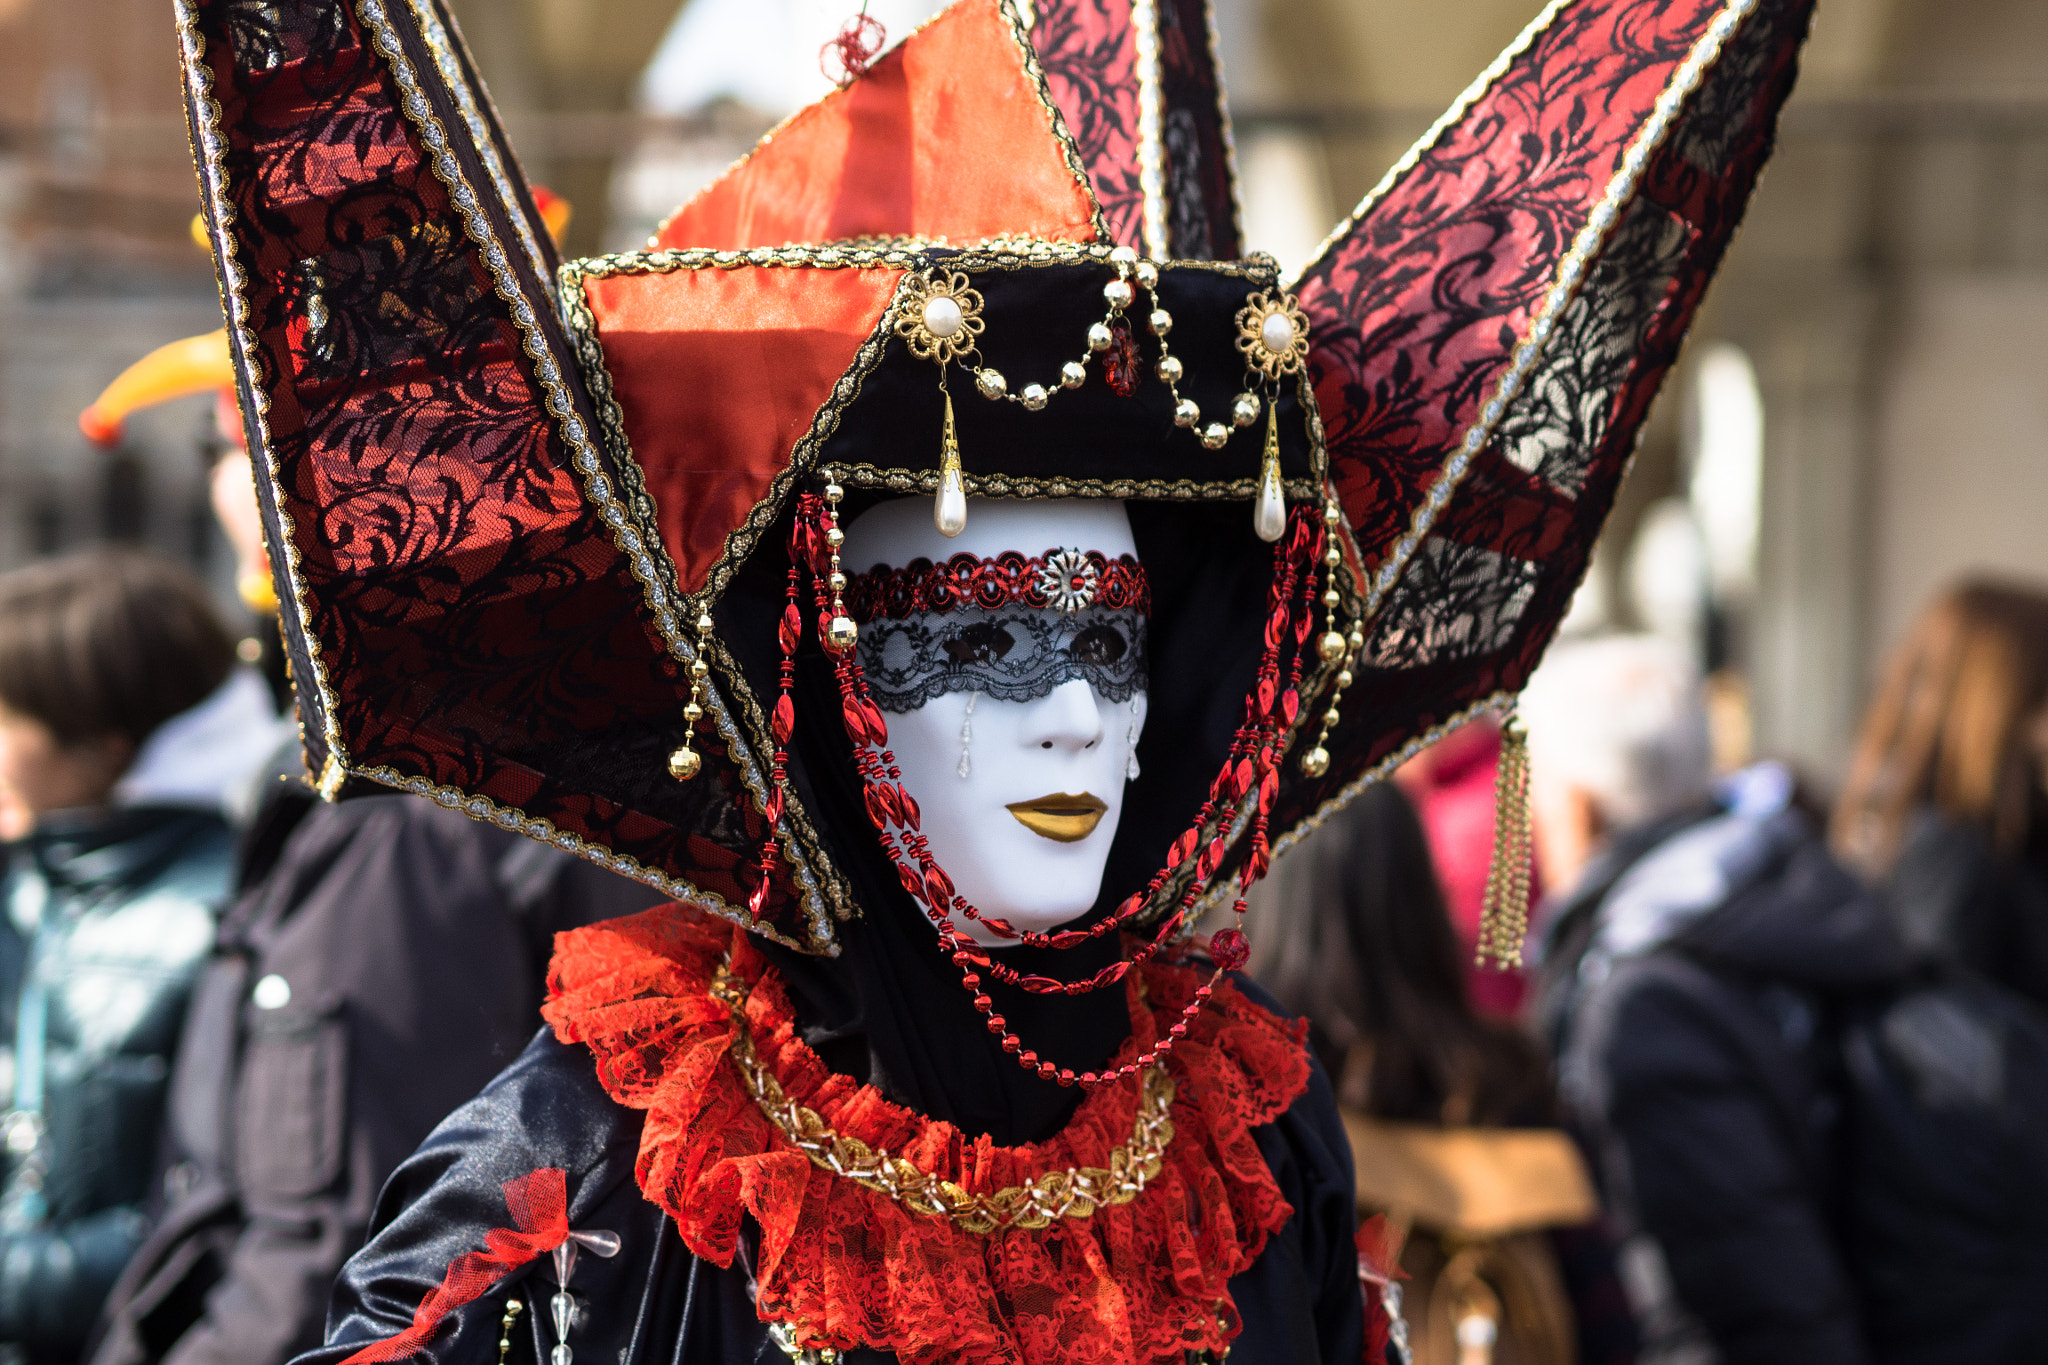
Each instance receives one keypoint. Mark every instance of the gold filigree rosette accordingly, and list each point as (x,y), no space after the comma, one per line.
(938,315)
(1272,333)
(1076,1192)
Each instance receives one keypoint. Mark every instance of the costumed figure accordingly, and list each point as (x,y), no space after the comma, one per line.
(948,565)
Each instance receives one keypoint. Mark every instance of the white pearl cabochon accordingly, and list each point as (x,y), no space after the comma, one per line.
(1072,741)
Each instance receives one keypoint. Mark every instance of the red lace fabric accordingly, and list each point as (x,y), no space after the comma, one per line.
(847,1266)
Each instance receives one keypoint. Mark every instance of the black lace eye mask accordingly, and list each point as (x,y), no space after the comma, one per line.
(1012,627)
(1009,653)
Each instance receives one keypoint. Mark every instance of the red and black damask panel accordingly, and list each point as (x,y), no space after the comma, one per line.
(1476,591)
(1089,51)
(463,621)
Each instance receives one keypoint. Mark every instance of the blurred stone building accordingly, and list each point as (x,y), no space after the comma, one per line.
(1858,421)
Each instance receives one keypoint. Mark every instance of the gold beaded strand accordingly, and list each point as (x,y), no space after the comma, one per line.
(840,631)
(1335,645)
(512,1310)
(685,761)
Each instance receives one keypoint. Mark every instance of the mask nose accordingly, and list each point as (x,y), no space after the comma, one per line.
(1068,719)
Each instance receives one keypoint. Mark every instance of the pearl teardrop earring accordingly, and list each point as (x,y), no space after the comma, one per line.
(966,768)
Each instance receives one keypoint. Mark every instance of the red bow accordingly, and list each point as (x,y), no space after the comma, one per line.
(539,1204)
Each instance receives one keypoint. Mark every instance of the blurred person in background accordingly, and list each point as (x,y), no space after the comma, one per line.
(1946,802)
(120,715)
(1452,785)
(384,957)
(1692,935)
(1821,1112)
(1450,1113)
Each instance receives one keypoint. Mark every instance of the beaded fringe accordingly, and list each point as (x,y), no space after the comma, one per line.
(1504,914)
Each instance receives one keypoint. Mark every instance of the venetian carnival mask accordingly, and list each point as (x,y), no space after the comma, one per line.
(1010,662)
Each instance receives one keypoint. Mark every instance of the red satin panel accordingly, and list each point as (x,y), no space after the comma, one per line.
(946,136)
(720,373)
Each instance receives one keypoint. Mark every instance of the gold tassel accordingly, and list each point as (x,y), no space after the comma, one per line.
(1504,914)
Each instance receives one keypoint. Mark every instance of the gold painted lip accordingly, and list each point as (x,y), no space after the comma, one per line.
(1060,817)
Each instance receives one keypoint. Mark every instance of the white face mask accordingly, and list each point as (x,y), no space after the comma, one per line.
(1020,799)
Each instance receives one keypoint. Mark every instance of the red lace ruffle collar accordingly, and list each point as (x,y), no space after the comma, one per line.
(847,1266)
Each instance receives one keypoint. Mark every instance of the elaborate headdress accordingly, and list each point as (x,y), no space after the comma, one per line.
(548,540)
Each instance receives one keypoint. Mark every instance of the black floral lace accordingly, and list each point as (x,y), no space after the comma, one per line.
(1009,653)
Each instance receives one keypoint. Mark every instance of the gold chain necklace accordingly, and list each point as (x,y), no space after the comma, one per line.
(1076,1192)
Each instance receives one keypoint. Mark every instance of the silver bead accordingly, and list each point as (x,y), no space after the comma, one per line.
(1161,322)
(1185,413)
(1073,375)
(1123,255)
(1214,435)
(1098,336)
(1147,273)
(991,383)
(1033,397)
(1169,368)
(1118,293)
(1245,410)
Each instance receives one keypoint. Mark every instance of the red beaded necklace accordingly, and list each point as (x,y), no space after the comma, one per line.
(1249,767)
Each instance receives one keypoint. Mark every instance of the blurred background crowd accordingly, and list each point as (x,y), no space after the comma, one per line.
(1773,1085)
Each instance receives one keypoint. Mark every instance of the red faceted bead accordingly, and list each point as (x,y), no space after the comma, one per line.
(1229,950)
(1120,361)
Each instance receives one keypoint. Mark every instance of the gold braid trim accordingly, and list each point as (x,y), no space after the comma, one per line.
(1076,1192)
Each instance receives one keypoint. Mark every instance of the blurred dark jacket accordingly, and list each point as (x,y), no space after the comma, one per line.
(385,959)
(1683,985)
(108,915)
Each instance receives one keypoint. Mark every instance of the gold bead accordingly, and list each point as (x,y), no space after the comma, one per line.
(840,634)
(837,582)
(1332,598)
(1118,293)
(1245,409)
(1330,646)
(1161,322)
(1330,718)
(833,492)
(1330,514)
(1316,761)
(1343,678)
(684,763)
(1073,374)
(1033,397)
(1148,274)
(704,623)
(1214,436)
(834,537)
(1356,639)
(1098,336)
(1124,255)
(1185,413)
(1333,557)
(991,383)
(1169,368)
(692,714)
